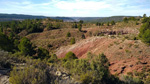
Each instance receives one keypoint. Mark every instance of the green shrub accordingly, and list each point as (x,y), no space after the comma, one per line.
(86,78)
(67,64)
(98,24)
(53,58)
(107,23)
(131,80)
(83,36)
(80,27)
(113,22)
(73,41)
(81,21)
(57,26)
(42,53)
(25,47)
(75,25)
(70,56)
(5,61)
(145,32)
(68,34)
(29,75)
(94,71)
(90,56)
(145,19)
(125,20)
(5,43)
(49,26)
(137,23)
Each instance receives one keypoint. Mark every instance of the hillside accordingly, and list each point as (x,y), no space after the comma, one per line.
(74,52)
(11,17)
(117,44)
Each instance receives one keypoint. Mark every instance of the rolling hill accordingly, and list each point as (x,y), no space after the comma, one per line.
(10,17)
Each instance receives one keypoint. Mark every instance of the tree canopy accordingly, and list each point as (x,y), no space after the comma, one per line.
(25,47)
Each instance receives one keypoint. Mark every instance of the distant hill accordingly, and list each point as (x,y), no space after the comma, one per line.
(10,17)
(106,19)
(86,18)
(101,19)
(66,19)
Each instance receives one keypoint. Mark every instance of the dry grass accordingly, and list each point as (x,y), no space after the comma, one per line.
(121,50)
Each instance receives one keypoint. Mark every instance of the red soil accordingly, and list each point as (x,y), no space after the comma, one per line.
(121,61)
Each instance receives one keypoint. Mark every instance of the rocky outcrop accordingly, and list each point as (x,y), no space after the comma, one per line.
(112,32)
(61,77)
(4,78)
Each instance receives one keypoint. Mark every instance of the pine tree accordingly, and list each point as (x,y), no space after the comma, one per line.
(25,47)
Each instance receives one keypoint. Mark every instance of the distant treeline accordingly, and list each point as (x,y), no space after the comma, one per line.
(108,19)
(14,17)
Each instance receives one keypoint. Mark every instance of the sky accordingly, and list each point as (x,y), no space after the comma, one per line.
(76,8)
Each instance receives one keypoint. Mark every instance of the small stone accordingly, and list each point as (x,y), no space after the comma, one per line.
(58,73)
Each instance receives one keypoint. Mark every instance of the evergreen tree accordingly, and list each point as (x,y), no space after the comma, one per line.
(80,27)
(42,53)
(125,20)
(5,42)
(25,47)
(145,32)
(113,22)
(81,21)
(144,15)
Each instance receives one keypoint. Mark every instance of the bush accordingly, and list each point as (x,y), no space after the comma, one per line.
(131,80)
(73,41)
(107,23)
(81,21)
(86,78)
(53,58)
(57,26)
(32,74)
(94,71)
(49,26)
(112,22)
(125,20)
(5,61)
(137,23)
(67,64)
(80,27)
(98,24)
(68,34)
(83,36)
(42,53)
(25,47)
(146,36)
(145,32)
(5,43)
(75,25)
(145,19)
(70,56)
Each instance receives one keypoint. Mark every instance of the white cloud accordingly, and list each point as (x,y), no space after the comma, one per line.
(26,2)
(81,5)
(76,7)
